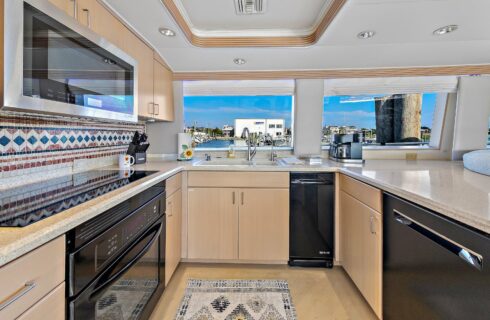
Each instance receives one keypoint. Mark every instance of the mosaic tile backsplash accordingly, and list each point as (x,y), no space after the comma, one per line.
(34,143)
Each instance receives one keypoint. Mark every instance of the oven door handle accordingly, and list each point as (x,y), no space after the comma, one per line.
(100,288)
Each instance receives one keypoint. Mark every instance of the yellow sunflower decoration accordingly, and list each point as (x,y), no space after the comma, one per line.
(188,154)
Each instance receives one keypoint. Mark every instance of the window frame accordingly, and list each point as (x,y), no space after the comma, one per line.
(433,144)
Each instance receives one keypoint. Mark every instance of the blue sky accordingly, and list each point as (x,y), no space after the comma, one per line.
(338,111)
(216,111)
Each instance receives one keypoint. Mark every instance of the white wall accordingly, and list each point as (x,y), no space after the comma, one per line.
(473,111)
(163,135)
(308,112)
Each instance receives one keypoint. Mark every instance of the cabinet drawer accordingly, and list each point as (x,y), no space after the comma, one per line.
(50,307)
(368,195)
(26,280)
(173,184)
(238,179)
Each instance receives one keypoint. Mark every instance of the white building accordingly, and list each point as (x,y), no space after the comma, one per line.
(227,130)
(273,127)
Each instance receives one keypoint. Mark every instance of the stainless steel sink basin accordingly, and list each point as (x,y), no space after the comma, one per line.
(235,162)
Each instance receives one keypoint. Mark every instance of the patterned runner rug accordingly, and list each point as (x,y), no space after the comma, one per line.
(236,300)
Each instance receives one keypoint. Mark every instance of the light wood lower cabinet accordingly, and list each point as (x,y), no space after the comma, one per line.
(361,247)
(264,224)
(173,248)
(238,224)
(25,281)
(212,223)
(51,307)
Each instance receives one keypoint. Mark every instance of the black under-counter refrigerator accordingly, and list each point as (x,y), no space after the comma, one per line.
(433,267)
(311,238)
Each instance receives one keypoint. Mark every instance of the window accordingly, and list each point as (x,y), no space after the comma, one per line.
(383,119)
(218,121)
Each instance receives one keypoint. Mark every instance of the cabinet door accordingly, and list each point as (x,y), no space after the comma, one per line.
(361,247)
(163,93)
(51,307)
(67,6)
(104,23)
(144,56)
(264,224)
(212,223)
(173,248)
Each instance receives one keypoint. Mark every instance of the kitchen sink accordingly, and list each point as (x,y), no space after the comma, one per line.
(236,162)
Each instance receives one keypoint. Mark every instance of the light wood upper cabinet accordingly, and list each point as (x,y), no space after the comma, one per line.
(264,224)
(361,240)
(144,55)
(68,6)
(162,92)
(212,223)
(93,15)
(173,250)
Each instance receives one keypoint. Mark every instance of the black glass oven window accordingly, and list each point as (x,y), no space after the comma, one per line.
(127,297)
(61,65)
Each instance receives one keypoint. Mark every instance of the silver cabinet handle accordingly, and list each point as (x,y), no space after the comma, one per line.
(150,109)
(243,198)
(28,286)
(158,109)
(75,9)
(371,225)
(170,205)
(233,197)
(472,258)
(89,20)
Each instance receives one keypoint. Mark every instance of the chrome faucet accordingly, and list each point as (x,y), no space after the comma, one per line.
(273,154)
(246,135)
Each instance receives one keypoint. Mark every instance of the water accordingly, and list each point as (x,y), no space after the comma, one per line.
(215,144)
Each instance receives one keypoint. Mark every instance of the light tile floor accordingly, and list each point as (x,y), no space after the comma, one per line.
(318,294)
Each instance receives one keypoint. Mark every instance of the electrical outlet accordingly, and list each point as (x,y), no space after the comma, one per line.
(411,156)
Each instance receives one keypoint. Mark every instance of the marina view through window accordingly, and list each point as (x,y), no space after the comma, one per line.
(218,121)
(382,119)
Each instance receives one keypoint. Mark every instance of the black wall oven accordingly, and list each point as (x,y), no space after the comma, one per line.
(116,262)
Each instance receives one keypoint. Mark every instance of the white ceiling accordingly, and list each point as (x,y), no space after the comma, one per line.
(218,18)
(403,37)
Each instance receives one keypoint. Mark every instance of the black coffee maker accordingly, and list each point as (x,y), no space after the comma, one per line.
(346,147)
(138,146)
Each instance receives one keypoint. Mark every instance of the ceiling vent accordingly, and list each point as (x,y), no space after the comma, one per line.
(249,6)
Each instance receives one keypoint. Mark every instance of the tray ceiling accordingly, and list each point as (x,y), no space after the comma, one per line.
(403,38)
(215,23)
(212,18)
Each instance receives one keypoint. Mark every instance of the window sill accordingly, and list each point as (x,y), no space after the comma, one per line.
(243,149)
(381,148)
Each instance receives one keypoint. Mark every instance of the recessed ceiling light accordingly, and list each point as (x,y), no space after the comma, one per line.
(239,61)
(167,32)
(366,34)
(445,30)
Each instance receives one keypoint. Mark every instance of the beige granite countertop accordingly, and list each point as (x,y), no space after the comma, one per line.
(443,186)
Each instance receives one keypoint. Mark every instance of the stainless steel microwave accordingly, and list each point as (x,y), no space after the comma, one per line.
(54,65)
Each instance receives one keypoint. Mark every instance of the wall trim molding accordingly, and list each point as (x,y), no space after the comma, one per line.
(280,41)
(336,73)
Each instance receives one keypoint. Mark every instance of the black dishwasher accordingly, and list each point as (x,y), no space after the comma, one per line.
(433,267)
(311,219)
